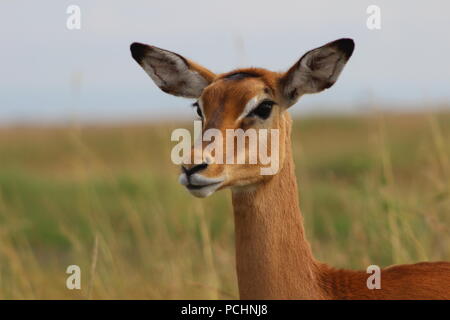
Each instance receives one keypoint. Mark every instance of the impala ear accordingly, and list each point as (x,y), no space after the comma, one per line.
(317,70)
(171,72)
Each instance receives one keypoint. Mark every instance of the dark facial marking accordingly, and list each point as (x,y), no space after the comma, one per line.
(241,75)
(197,109)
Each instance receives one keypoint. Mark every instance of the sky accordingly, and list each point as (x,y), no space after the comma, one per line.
(49,73)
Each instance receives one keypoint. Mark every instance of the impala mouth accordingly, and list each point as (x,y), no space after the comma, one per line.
(196,187)
(200,186)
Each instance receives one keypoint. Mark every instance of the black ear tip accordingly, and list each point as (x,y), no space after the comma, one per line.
(346,45)
(138,51)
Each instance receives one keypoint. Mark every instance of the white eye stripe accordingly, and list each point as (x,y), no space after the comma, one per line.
(250,106)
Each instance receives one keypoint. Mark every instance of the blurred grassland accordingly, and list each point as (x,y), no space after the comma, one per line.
(374,190)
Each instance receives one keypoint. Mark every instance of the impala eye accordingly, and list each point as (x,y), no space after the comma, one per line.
(197,108)
(263,110)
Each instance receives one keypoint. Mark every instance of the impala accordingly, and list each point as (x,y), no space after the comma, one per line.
(273,257)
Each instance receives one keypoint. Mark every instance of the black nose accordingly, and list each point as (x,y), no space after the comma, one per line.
(194,169)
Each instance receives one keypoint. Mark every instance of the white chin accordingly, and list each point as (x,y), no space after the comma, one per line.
(200,186)
(204,192)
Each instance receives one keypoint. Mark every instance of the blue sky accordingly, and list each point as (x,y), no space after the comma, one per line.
(50,73)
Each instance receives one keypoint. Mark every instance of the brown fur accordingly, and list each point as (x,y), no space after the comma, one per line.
(274,259)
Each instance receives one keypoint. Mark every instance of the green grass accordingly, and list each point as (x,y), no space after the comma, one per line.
(373,190)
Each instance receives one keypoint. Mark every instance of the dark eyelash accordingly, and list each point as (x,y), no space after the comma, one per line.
(263,110)
(199,111)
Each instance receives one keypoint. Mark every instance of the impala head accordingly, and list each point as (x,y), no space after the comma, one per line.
(241,99)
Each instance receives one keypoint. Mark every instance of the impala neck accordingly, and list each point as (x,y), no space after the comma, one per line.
(273,257)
